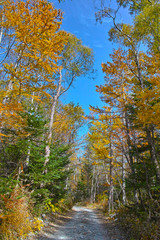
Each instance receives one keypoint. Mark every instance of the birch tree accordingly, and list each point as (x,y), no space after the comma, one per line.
(77,60)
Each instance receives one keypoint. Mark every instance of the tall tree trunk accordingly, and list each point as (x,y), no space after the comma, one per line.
(97,180)
(29,144)
(1,32)
(142,160)
(127,133)
(49,138)
(151,143)
(130,157)
(110,202)
(123,182)
(93,186)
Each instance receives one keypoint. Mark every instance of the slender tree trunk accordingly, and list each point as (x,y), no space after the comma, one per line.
(123,182)
(117,196)
(130,156)
(10,85)
(151,143)
(28,154)
(88,185)
(11,82)
(29,146)
(49,138)
(122,185)
(93,186)
(110,203)
(140,157)
(1,33)
(97,181)
(95,189)
(139,75)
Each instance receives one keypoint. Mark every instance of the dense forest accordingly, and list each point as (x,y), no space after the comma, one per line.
(41,170)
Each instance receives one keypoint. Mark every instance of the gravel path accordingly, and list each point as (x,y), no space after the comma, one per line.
(85,224)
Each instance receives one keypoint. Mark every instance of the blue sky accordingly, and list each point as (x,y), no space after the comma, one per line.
(79,19)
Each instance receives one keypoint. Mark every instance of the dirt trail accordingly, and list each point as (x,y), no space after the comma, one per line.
(84,224)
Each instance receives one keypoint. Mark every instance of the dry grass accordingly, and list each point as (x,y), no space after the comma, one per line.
(16,219)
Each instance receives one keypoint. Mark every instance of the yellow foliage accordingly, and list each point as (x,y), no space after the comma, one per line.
(52,208)
(16,216)
(59,207)
(37,224)
(96,163)
(38,43)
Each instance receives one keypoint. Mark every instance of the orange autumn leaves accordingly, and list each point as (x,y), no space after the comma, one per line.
(124,97)
(123,87)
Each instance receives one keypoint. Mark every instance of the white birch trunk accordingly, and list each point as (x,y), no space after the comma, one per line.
(29,147)
(1,33)
(92,186)
(49,138)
